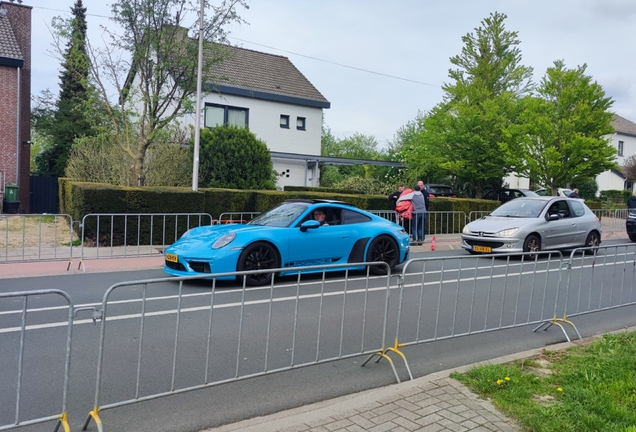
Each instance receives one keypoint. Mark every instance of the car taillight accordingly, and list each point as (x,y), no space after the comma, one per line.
(430,195)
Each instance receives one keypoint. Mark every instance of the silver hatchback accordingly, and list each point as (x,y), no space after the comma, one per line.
(532,224)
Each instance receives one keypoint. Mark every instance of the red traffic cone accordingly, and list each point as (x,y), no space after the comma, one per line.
(433,244)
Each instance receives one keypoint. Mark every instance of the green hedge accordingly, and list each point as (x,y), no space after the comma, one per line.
(79,199)
(616,196)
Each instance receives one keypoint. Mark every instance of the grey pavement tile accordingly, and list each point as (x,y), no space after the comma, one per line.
(506,426)
(383,418)
(384,427)
(427,410)
(368,406)
(444,404)
(452,416)
(340,424)
(470,425)
(479,419)
(429,419)
(356,428)
(408,405)
(434,427)
(436,391)
(426,401)
(319,429)
(452,426)
(407,424)
(411,391)
(407,414)
(390,407)
(361,421)
(458,409)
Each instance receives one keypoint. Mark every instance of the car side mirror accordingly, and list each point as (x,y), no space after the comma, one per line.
(310,224)
(552,217)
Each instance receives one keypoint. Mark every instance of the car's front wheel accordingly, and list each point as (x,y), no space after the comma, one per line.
(258,256)
(385,249)
(532,244)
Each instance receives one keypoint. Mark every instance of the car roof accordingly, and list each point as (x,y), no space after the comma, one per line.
(317,201)
(438,184)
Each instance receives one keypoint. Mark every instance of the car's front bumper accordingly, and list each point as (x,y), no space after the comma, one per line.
(496,244)
(223,261)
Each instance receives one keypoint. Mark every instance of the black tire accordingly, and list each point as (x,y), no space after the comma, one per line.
(532,244)
(385,249)
(593,240)
(632,237)
(258,256)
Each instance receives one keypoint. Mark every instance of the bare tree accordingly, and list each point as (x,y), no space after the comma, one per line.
(629,168)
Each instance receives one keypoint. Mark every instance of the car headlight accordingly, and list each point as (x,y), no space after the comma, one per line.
(224,240)
(466,230)
(507,233)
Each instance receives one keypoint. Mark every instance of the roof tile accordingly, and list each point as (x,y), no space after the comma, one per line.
(624,126)
(258,71)
(9,47)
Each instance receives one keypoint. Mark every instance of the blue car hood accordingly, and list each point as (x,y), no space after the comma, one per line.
(201,238)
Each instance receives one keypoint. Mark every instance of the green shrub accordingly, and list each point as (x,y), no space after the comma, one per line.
(232,157)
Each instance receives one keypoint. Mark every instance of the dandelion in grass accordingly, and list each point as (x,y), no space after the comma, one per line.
(507,378)
(559,389)
(500,382)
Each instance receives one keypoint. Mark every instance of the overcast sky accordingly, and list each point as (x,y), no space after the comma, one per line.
(379,62)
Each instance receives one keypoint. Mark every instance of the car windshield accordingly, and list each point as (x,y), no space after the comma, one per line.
(520,208)
(442,190)
(282,216)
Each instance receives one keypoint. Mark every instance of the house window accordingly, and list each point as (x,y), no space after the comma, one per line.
(216,115)
(300,123)
(620,148)
(284,121)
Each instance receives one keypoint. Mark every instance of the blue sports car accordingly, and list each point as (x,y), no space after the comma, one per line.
(298,232)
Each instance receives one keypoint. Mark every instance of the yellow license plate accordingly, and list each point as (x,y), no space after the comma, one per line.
(482,248)
(172,258)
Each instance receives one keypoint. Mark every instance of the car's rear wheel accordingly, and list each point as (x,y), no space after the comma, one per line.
(385,249)
(593,239)
(258,256)
(532,244)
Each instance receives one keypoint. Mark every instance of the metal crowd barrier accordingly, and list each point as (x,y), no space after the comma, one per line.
(134,235)
(36,237)
(235,217)
(246,350)
(12,392)
(587,289)
(442,298)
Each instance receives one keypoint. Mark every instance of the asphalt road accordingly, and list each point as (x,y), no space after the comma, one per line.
(458,296)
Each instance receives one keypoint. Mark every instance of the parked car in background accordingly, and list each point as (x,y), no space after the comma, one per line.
(532,224)
(560,191)
(439,190)
(287,237)
(504,195)
(631,224)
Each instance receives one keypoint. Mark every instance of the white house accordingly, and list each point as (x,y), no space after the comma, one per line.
(623,140)
(268,94)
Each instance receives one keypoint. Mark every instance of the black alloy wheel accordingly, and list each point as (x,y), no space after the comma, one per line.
(385,249)
(258,256)
(593,240)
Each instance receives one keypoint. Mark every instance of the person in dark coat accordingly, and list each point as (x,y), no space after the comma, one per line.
(395,195)
(631,202)
(574,193)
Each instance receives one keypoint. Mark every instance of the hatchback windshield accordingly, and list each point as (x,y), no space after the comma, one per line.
(281,216)
(521,208)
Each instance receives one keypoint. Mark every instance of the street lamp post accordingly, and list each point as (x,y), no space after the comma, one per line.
(197,109)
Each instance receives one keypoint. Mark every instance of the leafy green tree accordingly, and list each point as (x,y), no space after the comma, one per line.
(232,157)
(588,188)
(68,120)
(467,134)
(151,62)
(562,131)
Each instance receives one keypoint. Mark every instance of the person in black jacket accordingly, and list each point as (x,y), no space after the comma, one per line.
(631,202)
(395,195)
(424,192)
(574,193)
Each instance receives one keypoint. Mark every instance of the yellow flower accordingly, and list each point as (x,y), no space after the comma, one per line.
(507,378)
(499,382)
(559,389)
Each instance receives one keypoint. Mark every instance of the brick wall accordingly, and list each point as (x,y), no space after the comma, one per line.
(20,18)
